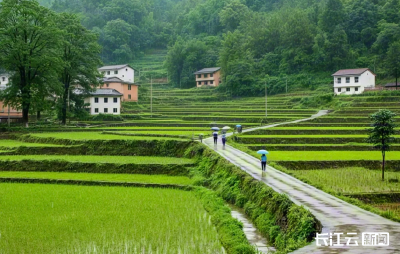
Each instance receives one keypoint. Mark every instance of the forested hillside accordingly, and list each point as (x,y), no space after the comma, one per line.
(252,40)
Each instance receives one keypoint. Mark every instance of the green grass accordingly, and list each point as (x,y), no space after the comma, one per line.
(101,159)
(307,136)
(15,143)
(88,219)
(135,178)
(329,155)
(168,132)
(350,180)
(92,136)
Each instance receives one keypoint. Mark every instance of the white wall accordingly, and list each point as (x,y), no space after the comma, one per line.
(126,74)
(4,82)
(352,90)
(367,79)
(101,105)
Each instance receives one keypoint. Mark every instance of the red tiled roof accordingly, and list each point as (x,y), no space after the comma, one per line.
(351,72)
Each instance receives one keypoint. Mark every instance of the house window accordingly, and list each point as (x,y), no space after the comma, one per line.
(356,79)
(356,89)
(339,80)
(211,82)
(205,83)
(348,89)
(199,75)
(96,110)
(115,72)
(105,110)
(4,79)
(108,72)
(115,110)
(205,75)
(96,100)
(129,96)
(105,100)
(108,85)
(348,80)
(199,83)
(211,75)
(339,90)
(126,69)
(129,87)
(115,100)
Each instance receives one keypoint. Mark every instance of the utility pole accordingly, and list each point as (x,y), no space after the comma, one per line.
(286,83)
(266,113)
(8,116)
(151,96)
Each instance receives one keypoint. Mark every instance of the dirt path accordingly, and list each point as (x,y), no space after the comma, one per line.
(335,215)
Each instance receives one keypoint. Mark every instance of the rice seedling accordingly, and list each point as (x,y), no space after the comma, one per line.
(15,143)
(135,178)
(80,219)
(350,180)
(92,136)
(330,155)
(101,159)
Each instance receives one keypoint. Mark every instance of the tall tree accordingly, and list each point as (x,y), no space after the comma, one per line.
(80,54)
(381,135)
(29,43)
(332,15)
(393,60)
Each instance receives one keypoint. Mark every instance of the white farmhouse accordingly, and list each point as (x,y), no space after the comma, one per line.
(353,81)
(123,72)
(4,79)
(104,101)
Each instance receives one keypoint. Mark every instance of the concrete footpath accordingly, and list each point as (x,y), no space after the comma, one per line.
(335,215)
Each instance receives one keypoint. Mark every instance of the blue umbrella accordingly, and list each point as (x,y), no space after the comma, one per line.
(215,128)
(238,125)
(262,152)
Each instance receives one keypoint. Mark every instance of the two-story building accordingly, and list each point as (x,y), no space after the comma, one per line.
(5,110)
(353,81)
(104,101)
(123,72)
(122,79)
(208,77)
(128,90)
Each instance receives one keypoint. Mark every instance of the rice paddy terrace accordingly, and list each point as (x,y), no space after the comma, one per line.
(125,186)
(331,152)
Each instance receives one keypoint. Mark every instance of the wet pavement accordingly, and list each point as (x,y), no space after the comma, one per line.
(336,215)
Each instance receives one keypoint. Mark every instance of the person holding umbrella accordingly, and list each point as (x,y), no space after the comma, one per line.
(215,134)
(263,159)
(224,130)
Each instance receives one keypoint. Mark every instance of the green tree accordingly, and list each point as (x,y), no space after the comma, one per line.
(29,43)
(393,60)
(80,53)
(233,14)
(333,15)
(381,133)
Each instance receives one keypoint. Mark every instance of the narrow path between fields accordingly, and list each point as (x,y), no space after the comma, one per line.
(335,215)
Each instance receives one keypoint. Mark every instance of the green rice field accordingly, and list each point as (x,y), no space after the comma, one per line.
(92,136)
(88,219)
(330,155)
(351,180)
(134,178)
(101,159)
(9,143)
